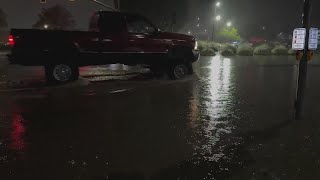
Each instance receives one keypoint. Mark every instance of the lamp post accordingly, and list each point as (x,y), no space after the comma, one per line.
(218,18)
(303,65)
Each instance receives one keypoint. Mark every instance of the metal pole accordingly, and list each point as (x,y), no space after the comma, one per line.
(303,65)
(214,16)
(116,4)
(102,4)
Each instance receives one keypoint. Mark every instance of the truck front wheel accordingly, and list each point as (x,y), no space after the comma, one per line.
(178,71)
(61,73)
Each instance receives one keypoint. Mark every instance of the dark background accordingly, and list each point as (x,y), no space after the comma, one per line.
(249,16)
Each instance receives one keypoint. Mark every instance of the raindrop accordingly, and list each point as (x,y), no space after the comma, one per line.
(84,163)
(72,162)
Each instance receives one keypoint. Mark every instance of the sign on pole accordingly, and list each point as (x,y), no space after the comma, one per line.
(298,40)
(313,38)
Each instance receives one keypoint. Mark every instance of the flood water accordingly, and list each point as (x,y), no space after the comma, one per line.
(233,119)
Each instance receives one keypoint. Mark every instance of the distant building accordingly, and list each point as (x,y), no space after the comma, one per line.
(18,17)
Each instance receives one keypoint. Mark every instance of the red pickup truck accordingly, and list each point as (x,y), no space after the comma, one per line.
(113,37)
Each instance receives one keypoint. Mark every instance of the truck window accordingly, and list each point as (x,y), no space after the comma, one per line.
(111,23)
(93,25)
(136,24)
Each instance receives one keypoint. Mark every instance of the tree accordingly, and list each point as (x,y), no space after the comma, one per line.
(229,34)
(3,19)
(55,17)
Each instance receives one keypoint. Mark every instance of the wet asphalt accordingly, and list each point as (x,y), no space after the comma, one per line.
(233,119)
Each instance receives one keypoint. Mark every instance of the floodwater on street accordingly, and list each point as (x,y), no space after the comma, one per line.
(233,119)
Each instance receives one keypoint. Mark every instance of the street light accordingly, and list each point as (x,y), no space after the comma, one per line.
(229,24)
(218,18)
(46,26)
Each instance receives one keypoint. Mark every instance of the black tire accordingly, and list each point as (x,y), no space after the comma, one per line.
(178,71)
(190,68)
(67,74)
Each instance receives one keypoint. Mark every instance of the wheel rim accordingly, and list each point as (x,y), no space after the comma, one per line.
(62,72)
(180,71)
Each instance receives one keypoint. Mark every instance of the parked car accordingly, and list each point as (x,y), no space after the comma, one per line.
(113,37)
(257,40)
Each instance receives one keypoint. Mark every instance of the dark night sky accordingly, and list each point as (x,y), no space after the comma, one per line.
(276,15)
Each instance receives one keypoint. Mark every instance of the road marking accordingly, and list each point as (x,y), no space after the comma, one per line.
(119,91)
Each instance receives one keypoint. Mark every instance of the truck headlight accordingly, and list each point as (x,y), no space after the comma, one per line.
(196,45)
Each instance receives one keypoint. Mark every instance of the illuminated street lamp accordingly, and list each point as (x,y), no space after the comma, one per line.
(218,18)
(229,24)
(46,26)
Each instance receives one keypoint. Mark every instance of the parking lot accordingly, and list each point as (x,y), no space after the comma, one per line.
(232,119)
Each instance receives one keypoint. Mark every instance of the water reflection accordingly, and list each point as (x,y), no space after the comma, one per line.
(17,135)
(214,97)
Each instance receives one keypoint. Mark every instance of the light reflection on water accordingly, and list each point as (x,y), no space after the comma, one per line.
(17,135)
(212,103)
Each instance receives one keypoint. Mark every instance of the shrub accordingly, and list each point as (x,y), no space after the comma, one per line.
(245,50)
(206,48)
(262,50)
(203,45)
(207,52)
(291,52)
(280,50)
(230,47)
(214,46)
(227,52)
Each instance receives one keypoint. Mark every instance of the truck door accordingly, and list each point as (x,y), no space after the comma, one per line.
(112,39)
(142,42)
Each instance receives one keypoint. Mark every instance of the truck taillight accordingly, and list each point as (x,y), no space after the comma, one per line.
(11,40)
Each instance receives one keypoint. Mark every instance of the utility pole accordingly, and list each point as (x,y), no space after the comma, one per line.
(212,2)
(173,21)
(104,5)
(216,4)
(303,65)
(117,4)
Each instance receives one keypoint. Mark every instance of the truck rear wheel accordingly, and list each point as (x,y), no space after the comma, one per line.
(61,73)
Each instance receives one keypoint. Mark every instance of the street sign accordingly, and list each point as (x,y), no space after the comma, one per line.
(313,39)
(298,40)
